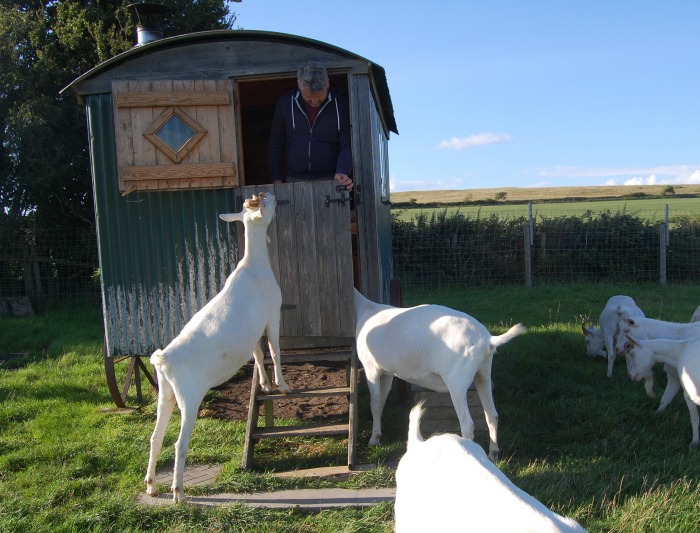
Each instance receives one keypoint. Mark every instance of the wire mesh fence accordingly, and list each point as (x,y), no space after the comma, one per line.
(440,247)
(431,249)
(49,264)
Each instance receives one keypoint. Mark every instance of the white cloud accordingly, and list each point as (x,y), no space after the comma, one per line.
(478,139)
(399,185)
(661,175)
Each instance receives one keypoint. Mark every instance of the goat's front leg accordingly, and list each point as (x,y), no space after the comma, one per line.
(485,392)
(610,347)
(259,357)
(273,340)
(379,385)
(166,404)
(188,416)
(673,385)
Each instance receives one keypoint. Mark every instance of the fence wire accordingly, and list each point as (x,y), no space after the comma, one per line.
(49,264)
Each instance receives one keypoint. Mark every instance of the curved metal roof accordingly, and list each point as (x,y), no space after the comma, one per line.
(376,71)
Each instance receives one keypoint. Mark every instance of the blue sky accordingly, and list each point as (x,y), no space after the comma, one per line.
(491,94)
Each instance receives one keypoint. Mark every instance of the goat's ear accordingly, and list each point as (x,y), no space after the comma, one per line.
(231,217)
(631,341)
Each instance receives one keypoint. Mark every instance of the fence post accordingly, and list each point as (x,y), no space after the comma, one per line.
(663,248)
(528,255)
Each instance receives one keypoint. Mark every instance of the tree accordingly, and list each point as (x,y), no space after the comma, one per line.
(44,45)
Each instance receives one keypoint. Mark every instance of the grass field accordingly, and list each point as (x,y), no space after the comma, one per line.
(648,201)
(539,194)
(587,446)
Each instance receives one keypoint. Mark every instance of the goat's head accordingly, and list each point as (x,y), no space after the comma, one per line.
(624,328)
(595,342)
(260,208)
(640,362)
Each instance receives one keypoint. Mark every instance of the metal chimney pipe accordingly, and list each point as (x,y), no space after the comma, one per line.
(147,29)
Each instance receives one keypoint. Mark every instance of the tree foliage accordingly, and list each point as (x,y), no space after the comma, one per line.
(44,45)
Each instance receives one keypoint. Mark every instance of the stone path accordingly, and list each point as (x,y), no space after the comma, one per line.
(309,499)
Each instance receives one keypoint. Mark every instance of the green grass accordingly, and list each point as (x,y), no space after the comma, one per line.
(587,446)
(648,208)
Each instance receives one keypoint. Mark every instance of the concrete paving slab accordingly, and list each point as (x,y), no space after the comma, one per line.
(308,499)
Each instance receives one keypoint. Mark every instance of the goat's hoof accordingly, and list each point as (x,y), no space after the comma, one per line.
(284,389)
(151,490)
(178,496)
(374,441)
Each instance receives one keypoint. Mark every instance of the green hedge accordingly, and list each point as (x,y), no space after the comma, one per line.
(457,248)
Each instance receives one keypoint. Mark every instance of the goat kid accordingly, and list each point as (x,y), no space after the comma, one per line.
(683,355)
(447,484)
(601,340)
(219,339)
(432,346)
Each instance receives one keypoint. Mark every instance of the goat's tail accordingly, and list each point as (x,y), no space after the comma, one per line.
(414,434)
(157,357)
(509,335)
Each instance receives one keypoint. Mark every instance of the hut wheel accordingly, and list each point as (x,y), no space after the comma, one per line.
(124,372)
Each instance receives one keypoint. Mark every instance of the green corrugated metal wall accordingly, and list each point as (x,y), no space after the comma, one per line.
(163,255)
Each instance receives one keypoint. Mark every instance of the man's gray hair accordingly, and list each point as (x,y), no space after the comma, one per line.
(313,75)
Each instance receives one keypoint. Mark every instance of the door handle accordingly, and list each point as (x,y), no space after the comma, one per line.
(341,190)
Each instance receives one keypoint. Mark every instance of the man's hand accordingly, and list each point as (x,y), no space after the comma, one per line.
(344,179)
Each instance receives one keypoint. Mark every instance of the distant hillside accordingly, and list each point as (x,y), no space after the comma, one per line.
(539,194)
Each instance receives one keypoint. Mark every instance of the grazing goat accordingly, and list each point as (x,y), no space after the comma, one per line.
(683,355)
(447,484)
(601,340)
(432,346)
(649,328)
(219,339)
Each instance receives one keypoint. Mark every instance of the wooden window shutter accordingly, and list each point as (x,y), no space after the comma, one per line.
(174,135)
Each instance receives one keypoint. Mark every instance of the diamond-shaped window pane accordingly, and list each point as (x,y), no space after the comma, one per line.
(175,133)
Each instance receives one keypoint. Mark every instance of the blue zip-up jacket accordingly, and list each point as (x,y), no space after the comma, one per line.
(310,152)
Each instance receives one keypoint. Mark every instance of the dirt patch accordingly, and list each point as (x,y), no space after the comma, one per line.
(232,398)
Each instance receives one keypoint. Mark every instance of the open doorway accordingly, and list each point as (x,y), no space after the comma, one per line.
(256,100)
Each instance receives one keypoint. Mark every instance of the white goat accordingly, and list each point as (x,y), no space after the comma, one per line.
(649,328)
(219,339)
(601,340)
(683,355)
(447,484)
(432,346)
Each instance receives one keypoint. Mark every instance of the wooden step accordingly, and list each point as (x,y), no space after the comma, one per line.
(319,357)
(305,393)
(311,430)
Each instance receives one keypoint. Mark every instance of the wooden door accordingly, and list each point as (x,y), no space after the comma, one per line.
(311,254)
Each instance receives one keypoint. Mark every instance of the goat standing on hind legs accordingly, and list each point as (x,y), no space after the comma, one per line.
(219,339)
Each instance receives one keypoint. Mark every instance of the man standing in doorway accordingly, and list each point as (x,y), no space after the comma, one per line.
(311,131)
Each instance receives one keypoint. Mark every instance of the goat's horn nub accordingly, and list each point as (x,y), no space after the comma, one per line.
(252,203)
